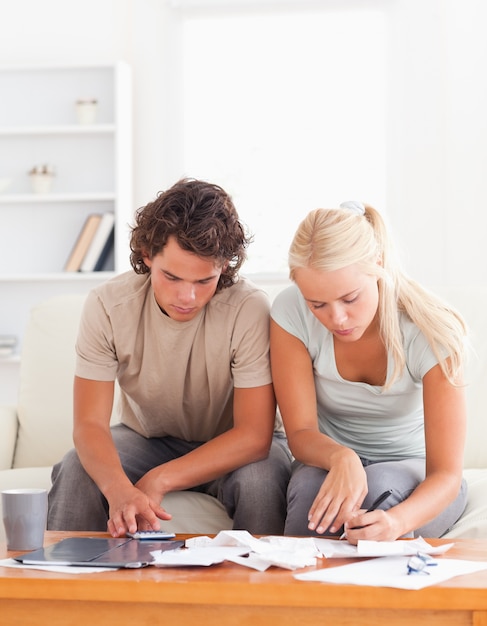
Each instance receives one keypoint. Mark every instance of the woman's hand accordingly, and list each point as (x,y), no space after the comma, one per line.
(341,494)
(375,525)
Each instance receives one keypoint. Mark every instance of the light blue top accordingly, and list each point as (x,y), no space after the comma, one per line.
(378,423)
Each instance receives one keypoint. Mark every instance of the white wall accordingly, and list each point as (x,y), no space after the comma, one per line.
(438,138)
(437,125)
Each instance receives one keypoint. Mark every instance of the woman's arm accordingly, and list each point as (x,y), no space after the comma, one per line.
(444,427)
(345,485)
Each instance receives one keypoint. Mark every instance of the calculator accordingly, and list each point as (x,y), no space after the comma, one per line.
(151,535)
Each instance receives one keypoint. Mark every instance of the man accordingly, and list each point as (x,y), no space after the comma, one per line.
(188,342)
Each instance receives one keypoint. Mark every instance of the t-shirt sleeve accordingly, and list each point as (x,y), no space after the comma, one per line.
(290,312)
(250,359)
(420,357)
(96,356)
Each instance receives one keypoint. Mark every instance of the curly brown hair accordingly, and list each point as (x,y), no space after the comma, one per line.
(202,218)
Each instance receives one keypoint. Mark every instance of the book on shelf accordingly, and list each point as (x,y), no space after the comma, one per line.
(8,344)
(80,248)
(101,244)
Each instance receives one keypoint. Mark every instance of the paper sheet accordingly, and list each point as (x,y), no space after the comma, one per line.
(391,571)
(330,548)
(398,548)
(60,569)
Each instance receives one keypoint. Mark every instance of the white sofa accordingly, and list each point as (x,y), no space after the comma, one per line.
(37,432)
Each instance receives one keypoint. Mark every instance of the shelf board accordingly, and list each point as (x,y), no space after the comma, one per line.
(10,359)
(42,198)
(55,277)
(57,129)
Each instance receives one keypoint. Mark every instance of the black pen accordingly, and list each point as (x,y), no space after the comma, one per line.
(375,504)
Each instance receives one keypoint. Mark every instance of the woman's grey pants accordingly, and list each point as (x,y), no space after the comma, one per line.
(401,476)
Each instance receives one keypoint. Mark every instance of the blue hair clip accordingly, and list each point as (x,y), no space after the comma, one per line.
(353,205)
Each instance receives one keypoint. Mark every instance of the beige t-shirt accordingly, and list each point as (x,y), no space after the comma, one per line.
(176,378)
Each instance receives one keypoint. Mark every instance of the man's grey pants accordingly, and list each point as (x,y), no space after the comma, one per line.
(254,495)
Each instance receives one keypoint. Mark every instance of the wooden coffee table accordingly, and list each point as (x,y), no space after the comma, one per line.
(231,594)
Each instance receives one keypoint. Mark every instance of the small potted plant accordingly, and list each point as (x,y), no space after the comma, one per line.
(41,177)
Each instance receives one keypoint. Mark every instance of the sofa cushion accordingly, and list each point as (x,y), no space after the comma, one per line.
(26,478)
(195,512)
(8,435)
(468,300)
(46,382)
(473,523)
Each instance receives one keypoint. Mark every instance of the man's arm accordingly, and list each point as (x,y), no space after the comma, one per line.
(247,441)
(93,401)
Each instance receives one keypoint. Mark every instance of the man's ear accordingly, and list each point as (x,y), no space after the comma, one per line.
(147,260)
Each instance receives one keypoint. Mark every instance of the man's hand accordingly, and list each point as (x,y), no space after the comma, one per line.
(132,510)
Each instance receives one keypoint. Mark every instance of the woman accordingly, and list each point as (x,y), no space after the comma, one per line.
(367,369)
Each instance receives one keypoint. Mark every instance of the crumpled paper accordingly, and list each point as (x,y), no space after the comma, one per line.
(245,549)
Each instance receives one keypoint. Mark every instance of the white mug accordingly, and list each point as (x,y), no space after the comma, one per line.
(24,518)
